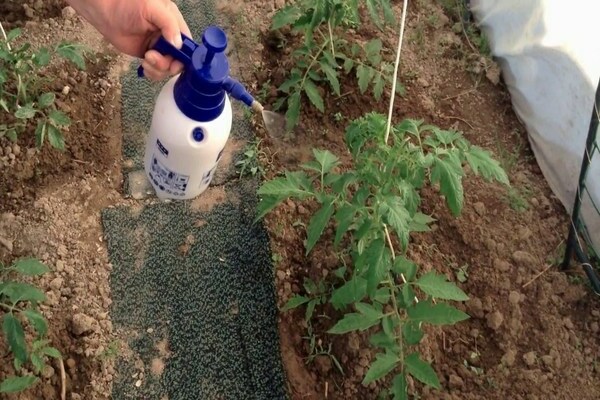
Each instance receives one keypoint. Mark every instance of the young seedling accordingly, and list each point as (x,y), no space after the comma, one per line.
(21,90)
(373,206)
(18,302)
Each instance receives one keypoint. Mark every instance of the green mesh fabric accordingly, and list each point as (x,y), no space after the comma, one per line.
(193,291)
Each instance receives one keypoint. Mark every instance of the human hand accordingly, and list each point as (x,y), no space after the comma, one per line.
(134,26)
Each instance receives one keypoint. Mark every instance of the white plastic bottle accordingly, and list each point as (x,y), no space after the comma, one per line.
(192,118)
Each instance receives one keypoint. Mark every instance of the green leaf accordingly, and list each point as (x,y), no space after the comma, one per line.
(397,216)
(379,86)
(293,112)
(38,363)
(372,7)
(373,49)
(420,222)
(372,255)
(437,286)
(326,159)
(42,58)
(317,224)
(313,95)
(344,217)
(55,137)
(364,75)
(404,266)
(286,16)
(379,266)
(436,314)
(412,333)
(310,308)
(25,112)
(399,387)
(15,336)
(51,352)
(46,99)
(388,13)
(482,163)
(293,185)
(368,311)
(40,133)
(72,53)
(13,34)
(407,296)
(421,370)
(383,364)
(4,105)
(15,384)
(59,118)
(351,292)
(294,302)
(30,267)
(353,322)
(382,295)
(12,134)
(331,76)
(37,320)
(17,291)
(384,341)
(448,173)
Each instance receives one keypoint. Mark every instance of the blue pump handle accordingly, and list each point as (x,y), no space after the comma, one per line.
(183,55)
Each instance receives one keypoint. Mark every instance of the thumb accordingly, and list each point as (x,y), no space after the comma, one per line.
(161,16)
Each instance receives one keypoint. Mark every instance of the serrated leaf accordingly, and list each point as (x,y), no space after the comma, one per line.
(313,95)
(481,162)
(378,86)
(30,267)
(331,76)
(294,302)
(436,314)
(344,218)
(421,370)
(420,222)
(326,159)
(383,364)
(55,137)
(437,286)
(400,388)
(385,341)
(448,173)
(351,292)
(15,336)
(317,224)
(46,99)
(372,255)
(379,266)
(51,352)
(364,75)
(382,295)
(40,134)
(13,34)
(15,384)
(368,310)
(25,112)
(293,185)
(372,8)
(59,118)
(404,266)
(11,134)
(72,53)
(412,333)
(397,216)
(310,308)
(17,291)
(286,16)
(388,13)
(293,112)
(38,363)
(37,320)
(42,57)
(407,296)
(352,322)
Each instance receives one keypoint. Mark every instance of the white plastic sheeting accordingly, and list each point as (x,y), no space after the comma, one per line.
(549,54)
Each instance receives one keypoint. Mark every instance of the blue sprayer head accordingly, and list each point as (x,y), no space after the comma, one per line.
(200,89)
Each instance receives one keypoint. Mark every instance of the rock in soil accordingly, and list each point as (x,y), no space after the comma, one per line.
(494,320)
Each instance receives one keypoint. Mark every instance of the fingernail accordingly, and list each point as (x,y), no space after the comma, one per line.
(151,59)
(177,41)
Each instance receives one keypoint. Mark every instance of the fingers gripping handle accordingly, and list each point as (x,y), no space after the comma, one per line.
(183,55)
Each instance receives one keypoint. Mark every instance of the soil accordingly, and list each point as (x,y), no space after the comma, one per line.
(533,331)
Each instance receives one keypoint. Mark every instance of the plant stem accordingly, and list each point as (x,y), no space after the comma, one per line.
(330,37)
(312,62)
(5,37)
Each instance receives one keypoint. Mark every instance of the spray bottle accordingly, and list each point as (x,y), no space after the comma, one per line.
(192,117)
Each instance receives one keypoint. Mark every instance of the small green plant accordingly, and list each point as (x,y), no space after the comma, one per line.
(517,199)
(21,90)
(324,54)
(18,303)
(375,207)
(250,163)
(317,349)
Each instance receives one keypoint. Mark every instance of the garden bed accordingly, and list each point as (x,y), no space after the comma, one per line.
(533,331)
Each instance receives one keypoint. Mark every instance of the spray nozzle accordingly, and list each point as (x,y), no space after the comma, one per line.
(200,89)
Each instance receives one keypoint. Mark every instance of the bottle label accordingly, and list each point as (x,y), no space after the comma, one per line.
(166,180)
